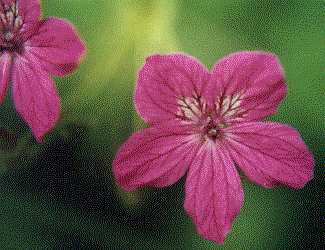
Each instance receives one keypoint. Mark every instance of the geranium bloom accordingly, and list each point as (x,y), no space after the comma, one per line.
(29,49)
(206,123)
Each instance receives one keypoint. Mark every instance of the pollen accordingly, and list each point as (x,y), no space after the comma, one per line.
(9,36)
(213,133)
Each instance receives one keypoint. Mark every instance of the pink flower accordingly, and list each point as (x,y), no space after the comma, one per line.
(206,123)
(30,47)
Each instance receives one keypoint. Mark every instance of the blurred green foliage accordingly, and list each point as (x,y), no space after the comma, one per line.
(97,98)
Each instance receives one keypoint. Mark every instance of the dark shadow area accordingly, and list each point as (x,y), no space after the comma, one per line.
(70,202)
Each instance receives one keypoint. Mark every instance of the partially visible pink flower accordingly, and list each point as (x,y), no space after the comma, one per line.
(29,49)
(208,122)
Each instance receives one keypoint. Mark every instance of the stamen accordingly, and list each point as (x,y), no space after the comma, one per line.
(3,18)
(12,25)
(213,133)
(10,18)
(18,22)
(9,36)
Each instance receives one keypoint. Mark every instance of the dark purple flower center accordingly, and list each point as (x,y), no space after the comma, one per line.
(12,25)
(212,131)
(208,123)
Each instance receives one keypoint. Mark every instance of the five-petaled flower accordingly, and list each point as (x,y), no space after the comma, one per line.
(29,49)
(206,123)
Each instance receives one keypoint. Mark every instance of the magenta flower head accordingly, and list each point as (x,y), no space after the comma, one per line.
(206,123)
(29,49)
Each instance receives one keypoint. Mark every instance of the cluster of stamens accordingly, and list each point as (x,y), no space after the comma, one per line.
(12,25)
(207,121)
(213,130)
(194,111)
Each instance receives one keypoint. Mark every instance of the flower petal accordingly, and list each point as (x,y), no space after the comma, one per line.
(57,46)
(154,157)
(247,86)
(5,67)
(35,95)
(214,195)
(163,82)
(270,154)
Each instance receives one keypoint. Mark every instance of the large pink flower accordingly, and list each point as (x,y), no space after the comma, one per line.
(208,122)
(29,49)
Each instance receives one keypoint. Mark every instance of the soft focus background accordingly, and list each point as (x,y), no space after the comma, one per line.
(61,194)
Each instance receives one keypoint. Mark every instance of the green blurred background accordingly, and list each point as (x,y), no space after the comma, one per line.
(61,194)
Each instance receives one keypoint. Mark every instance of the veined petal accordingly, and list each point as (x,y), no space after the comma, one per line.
(167,82)
(270,154)
(214,195)
(154,157)
(5,67)
(35,95)
(57,46)
(247,86)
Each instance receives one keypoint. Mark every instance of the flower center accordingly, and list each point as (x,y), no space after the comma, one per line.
(214,129)
(213,132)
(194,111)
(12,25)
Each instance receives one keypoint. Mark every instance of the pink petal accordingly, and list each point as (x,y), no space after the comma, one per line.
(5,67)
(163,80)
(154,157)
(271,154)
(29,11)
(57,46)
(214,195)
(247,85)
(35,95)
